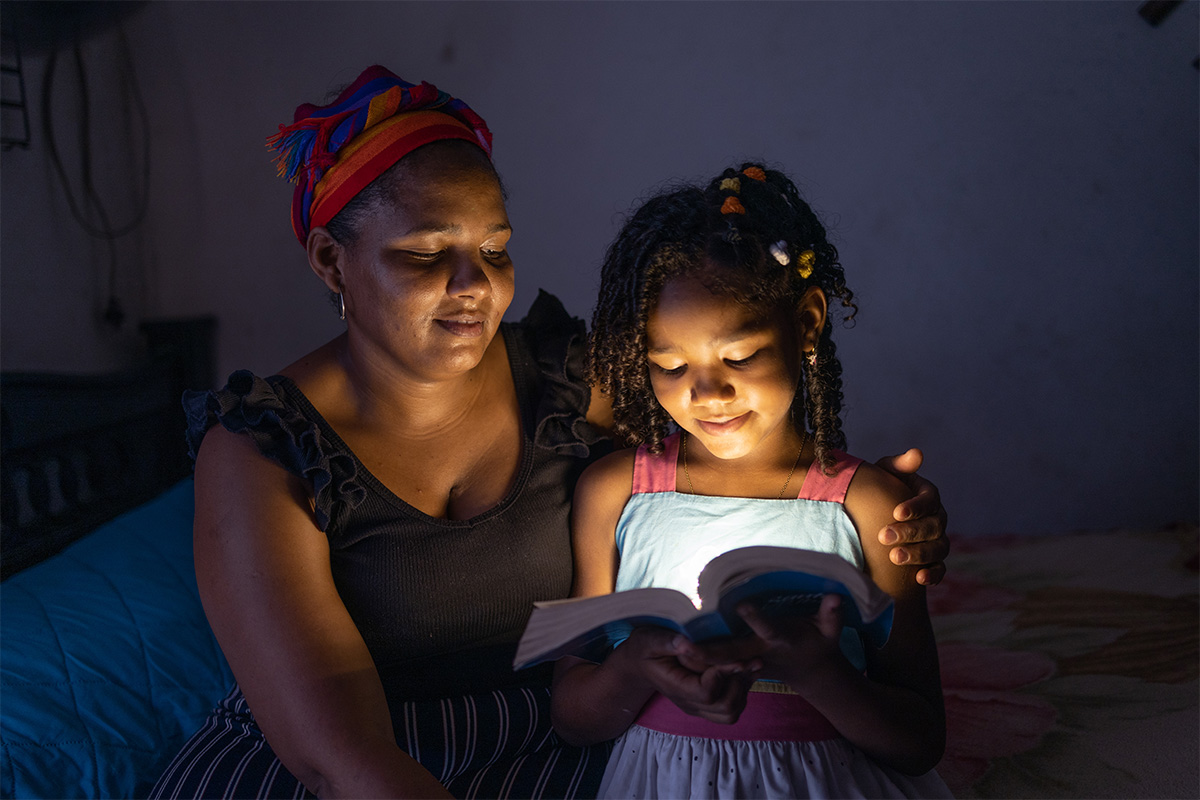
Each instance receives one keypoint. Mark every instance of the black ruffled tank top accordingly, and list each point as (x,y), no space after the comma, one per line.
(440,603)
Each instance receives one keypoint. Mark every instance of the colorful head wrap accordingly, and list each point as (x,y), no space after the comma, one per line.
(333,152)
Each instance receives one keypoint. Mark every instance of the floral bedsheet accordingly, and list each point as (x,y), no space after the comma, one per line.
(1069,665)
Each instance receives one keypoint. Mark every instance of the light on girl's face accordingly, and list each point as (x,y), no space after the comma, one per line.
(724,372)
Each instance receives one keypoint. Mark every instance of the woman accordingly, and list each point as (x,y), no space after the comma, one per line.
(374,522)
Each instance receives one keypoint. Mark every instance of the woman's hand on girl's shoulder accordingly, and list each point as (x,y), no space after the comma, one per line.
(873,495)
(916,532)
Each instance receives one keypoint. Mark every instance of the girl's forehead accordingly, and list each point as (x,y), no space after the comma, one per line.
(689,312)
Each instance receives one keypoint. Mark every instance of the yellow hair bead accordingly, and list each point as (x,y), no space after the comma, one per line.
(805,263)
(731,185)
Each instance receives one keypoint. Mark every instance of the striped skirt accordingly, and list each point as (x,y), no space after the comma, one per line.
(498,744)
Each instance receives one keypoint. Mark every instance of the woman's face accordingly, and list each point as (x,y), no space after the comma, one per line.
(725,374)
(428,277)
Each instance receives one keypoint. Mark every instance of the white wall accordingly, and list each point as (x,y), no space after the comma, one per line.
(1013,188)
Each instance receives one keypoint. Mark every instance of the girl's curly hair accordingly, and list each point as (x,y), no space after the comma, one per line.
(683,232)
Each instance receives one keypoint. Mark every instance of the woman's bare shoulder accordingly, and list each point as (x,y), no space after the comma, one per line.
(236,484)
(318,374)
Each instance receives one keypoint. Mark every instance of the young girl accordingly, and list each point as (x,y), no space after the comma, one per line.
(713,316)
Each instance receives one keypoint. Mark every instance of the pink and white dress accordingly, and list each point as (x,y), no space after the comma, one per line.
(781,747)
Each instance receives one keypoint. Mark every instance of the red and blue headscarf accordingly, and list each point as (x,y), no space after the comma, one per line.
(333,152)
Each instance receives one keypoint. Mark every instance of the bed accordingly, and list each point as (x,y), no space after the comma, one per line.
(1069,665)
(106,661)
(1069,662)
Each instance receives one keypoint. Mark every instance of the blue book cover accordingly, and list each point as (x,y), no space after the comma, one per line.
(780,580)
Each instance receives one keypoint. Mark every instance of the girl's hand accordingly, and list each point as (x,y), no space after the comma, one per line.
(716,692)
(787,649)
(918,534)
(797,647)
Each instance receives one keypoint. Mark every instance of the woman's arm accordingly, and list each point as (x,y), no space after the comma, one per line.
(595,702)
(265,581)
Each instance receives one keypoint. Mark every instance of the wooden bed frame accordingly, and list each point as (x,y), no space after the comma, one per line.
(77,450)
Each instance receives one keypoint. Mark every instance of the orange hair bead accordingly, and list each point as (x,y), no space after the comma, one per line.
(732,206)
(755,173)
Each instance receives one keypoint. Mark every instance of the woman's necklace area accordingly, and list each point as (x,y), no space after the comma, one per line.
(800,452)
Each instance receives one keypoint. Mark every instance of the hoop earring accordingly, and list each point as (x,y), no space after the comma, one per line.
(341,306)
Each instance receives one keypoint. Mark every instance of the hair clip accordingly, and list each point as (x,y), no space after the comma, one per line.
(732,206)
(755,172)
(805,263)
(779,250)
(731,185)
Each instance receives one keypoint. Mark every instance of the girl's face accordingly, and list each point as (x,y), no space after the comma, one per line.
(725,374)
(428,278)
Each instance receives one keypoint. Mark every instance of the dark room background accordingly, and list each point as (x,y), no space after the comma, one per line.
(1012,186)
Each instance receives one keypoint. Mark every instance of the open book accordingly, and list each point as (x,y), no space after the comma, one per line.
(781,580)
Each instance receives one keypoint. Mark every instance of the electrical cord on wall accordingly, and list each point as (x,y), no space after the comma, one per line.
(114,315)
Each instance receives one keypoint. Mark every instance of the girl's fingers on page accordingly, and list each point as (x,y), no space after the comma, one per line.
(827,620)
(693,692)
(743,652)
(688,658)
(713,681)
(727,694)
(829,616)
(654,641)
(759,624)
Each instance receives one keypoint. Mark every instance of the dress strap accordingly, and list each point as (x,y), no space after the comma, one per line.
(656,473)
(830,488)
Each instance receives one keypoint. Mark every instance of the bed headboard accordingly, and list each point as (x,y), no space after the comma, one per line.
(77,450)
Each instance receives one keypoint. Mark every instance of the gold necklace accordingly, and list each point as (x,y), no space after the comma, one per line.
(800,452)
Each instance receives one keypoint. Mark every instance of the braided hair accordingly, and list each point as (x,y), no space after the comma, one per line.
(747,235)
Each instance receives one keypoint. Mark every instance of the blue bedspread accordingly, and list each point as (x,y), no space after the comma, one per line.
(106,660)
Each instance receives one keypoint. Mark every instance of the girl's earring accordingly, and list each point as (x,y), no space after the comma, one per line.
(341,306)
(811,356)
